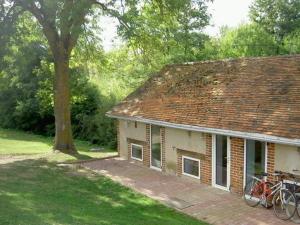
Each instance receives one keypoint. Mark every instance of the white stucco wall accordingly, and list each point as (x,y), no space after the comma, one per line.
(182,139)
(287,158)
(128,130)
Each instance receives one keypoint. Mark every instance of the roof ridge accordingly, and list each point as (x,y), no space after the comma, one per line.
(232,60)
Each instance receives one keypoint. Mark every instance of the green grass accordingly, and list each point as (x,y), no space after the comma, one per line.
(14,142)
(36,190)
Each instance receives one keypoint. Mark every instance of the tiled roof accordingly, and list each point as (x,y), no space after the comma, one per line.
(255,95)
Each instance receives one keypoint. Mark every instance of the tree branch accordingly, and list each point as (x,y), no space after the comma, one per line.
(112,12)
(48,29)
(76,25)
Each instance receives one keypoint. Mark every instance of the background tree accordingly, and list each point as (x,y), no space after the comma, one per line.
(278,17)
(245,41)
(171,30)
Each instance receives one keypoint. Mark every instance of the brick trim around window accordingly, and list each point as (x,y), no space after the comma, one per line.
(181,153)
(137,142)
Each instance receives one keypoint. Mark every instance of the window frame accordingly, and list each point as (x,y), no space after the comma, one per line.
(245,159)
(193,159)
(137,145)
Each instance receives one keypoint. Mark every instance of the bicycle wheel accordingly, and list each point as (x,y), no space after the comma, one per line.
(284,204)
(268,204)
(252,192)
(296,217)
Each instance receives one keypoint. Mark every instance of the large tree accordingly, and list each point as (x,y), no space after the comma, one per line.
(62,22)
(278,17)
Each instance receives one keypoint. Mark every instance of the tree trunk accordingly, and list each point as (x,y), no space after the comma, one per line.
(62,112)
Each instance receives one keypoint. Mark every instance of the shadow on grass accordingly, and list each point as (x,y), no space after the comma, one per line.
(39,192)
(80,156)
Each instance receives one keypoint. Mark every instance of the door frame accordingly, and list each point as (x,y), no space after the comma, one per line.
(227,188)
(245,158)
(153,167)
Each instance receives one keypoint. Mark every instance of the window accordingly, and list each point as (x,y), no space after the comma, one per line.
(155,147)
(137,152)
(190,167)
(255,158)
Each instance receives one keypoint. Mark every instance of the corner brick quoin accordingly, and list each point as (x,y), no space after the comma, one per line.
(163,148)
(237,165)
(206,167)
(147,147)
(118,136)
(271,160)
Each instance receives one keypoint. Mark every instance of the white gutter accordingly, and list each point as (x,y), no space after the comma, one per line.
(231,133)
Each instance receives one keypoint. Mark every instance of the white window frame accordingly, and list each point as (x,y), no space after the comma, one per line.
(132,144)
(193,159)
(214,153)
(245,158)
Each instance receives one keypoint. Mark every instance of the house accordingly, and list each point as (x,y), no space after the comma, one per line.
(216,122)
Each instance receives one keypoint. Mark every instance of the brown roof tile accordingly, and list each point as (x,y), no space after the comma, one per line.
(256,95)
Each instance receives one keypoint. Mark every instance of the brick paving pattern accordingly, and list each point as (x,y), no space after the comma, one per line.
(199,200)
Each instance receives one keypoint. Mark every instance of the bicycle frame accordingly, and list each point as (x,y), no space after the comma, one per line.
(275,188)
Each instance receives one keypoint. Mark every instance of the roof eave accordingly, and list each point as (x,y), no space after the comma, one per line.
(246,135)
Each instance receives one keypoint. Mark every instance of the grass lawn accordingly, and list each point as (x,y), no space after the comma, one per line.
(37,191)
(20,143)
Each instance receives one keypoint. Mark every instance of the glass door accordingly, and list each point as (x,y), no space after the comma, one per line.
(255,158)
(221,161)
(155,147)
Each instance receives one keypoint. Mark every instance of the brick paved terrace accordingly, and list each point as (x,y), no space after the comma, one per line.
(199,200)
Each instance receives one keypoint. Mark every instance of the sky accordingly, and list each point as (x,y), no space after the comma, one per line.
(227,12)
(224,12)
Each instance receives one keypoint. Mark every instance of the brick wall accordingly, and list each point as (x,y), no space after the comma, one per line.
(271,160)
(147,148)
(163,148)
(179,163)
(237,165)
(118,136)
(206,173)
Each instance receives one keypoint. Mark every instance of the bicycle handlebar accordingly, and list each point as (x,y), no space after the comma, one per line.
(276,173)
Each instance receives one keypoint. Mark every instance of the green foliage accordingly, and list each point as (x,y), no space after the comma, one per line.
(278,17)
(171,29)
(291,42)
(249,40)
(26,91)
(245,41)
